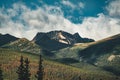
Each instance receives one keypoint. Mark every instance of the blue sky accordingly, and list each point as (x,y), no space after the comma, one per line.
(95,19)
(87,8)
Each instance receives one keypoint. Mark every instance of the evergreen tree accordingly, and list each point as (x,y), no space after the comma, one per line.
(40,71)
(20,70)
(1,73)
(80,78)
(27,71)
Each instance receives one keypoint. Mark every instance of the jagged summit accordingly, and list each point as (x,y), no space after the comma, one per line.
(59,39)
(64,37)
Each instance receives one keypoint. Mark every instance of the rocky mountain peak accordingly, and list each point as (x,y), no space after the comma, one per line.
(58,39)
(77,35)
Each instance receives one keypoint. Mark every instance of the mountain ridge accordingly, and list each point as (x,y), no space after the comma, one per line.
(59,39)
(24,45)
(6,38)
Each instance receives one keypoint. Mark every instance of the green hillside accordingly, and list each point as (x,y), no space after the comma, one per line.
(103,53)
(91,51)
(53,70)
(71,52)
(23,45)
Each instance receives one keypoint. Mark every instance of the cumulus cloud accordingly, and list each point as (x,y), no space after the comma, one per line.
(114,8)
(99,27)
(22,21)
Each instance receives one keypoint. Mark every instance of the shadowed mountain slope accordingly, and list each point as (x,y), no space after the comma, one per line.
(56,40)
(7,38)
(101,47)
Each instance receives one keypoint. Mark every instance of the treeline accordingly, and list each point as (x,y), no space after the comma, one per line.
(23,70)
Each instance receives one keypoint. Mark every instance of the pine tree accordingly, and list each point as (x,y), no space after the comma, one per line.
(80,78)
(27,71)
(1,73)
(20,71)
(40,71)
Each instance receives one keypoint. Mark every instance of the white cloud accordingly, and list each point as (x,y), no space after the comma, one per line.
(78,5)
(100,27)
(114,8)
(29,22)
(68,3)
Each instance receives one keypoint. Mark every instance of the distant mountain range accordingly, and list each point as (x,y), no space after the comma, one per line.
(51,41)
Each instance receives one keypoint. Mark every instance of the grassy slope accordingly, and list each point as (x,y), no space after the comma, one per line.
(112,65)
(101,47)
(23,45)
(97,53)
(53,70)
(71,52)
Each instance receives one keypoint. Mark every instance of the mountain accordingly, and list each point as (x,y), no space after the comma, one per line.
(93,50)
(47,43)
(7,38)
(101,47)
(104,53)
(56,40)
(79,39)
(90,52)
(23,45)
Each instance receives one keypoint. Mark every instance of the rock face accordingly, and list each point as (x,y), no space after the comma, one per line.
(79,39)
(7,38)
(55,40)
(48,42)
